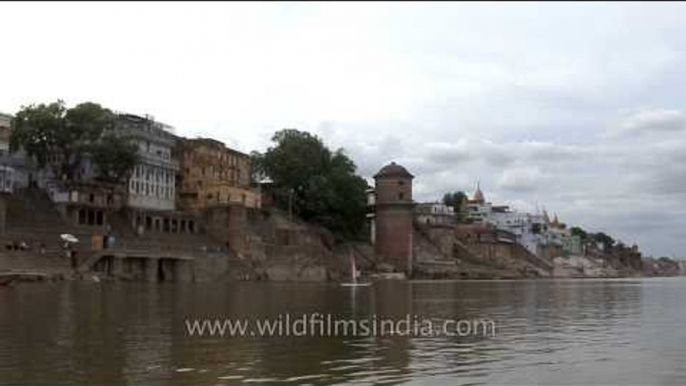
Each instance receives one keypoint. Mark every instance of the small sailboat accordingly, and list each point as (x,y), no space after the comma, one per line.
(354,273)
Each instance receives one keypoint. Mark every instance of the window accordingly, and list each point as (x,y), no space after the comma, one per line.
(401,196)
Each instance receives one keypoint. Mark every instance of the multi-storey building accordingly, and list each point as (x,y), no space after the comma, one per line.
(5,123)
(476,209)
(435,214)
(214,175)
(17,170)
(152,185)
(6,171)
(536,232)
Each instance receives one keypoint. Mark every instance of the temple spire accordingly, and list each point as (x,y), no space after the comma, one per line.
(478,194)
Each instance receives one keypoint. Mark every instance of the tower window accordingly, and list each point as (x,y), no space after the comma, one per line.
(401,196)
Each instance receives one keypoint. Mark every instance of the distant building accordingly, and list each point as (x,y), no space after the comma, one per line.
(476,209)
(536,232)
(435,214)
(393,216)
(17,170)
(5,124)
(88,203)
(214,175)
(6,171)
(152,185)
(371,214)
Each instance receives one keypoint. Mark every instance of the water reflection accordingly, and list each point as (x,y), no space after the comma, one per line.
(548,332)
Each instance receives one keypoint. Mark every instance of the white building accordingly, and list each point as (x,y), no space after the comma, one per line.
(153,182)
(531,230)
(435,214)
(477,210)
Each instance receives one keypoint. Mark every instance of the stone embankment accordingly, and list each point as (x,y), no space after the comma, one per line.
(274,248)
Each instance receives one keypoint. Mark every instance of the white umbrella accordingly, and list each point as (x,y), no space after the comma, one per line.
(69,238)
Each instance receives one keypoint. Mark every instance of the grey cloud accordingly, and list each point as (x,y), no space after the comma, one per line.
(514,95)
(521,179)
(650,121)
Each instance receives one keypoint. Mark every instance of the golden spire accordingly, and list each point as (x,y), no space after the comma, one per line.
(478,194)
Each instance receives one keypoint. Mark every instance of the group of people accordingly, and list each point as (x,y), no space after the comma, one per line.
(68,247)
(23,246)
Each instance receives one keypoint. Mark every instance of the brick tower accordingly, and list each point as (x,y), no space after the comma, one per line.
(393,219)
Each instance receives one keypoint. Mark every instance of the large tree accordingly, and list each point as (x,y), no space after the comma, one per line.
(578,231)
(114,156)
(606,240)
(315,183)
(456,200)
(37,129)
(59,137)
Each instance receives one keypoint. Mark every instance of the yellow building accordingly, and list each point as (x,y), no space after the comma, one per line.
(214,175)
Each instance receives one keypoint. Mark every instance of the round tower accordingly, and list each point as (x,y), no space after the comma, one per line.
(394,207)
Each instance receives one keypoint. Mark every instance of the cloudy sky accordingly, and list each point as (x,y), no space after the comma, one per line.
(578,108)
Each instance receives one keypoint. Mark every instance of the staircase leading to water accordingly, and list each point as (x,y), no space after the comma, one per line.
(33,220)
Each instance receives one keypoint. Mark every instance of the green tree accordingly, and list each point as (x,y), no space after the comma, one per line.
(456,200)
(577,231)
(604,239)
(256,170)
(114,156)
(36,128)
(316,184)
(67,136)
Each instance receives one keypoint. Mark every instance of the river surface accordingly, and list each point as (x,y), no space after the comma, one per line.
(564,332)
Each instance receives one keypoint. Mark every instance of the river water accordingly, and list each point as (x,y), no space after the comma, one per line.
(564,332)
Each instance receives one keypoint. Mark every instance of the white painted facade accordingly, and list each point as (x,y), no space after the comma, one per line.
(435,214)
(152,184)
(478,211)
(530,230)
(7,181)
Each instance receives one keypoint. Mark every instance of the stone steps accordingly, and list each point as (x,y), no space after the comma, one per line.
(52,263)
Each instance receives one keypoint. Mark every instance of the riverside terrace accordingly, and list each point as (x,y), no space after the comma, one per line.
(33,220)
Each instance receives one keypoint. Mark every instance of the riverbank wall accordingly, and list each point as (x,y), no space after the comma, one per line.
(236,243)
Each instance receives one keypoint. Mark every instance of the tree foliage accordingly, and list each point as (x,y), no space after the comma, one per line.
(456,200)
(37,129)
(317,184)
(52,132)
(115,157)
(604,239)
(577,231)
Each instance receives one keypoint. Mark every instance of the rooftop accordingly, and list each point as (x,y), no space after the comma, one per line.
(393,170)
